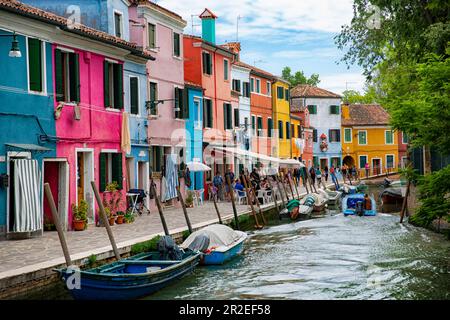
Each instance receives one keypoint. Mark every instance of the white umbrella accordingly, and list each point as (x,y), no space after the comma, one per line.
(196,166)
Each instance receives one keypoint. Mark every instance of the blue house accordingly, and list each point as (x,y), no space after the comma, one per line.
(194,131)
(27,127)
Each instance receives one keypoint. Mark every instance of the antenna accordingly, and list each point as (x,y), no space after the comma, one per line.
(237,27)
(192,23)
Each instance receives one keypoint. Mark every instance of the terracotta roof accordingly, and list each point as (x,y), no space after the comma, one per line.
(365,114)
(255,70)
(25,10)
(307,91)
(149,3)
(208,43)
(192,84)
(208,13)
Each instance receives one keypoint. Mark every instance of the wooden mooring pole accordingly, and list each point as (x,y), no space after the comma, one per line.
(215,205)
(247,178)
(160,210)
(236,218)
(247,190)
(284,186)
(62,239)
(279,190)
(405,201)
(296,189)
(105,220)
(183,205)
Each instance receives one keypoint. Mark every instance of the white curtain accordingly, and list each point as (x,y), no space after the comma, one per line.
(27,193)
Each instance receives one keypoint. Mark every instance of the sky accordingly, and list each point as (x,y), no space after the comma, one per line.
(274,34)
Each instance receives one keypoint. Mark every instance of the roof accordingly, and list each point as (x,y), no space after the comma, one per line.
(219,47)
(25,10)
(255,70)
(308,91)
(27,147)
(193,85)
(366,114)
(208,14)
(150,4)
(297,106)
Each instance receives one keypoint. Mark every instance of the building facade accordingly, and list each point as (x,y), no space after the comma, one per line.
(281,121)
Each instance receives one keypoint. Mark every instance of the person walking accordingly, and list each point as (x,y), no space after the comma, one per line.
(218,183)
(344,172)
(334,178)
(229,175)
(367,167)
(319,176)
(312,174)
(326,174)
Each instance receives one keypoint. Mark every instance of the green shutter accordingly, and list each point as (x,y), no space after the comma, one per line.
(210,114)
(348,135)
(118,86)
(35,64)
(117,173)
(59,84)
(288,131)
(177,104)
(269,127)
(106,76)
(134,95)
(102,171)
(236,117)
(151,35)
(280,129)
(286,94)
(74,72)
(176,44)
(225,120)
(185,103)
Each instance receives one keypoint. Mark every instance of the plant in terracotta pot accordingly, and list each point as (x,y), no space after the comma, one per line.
(120,217)
(189,201)
(129,217)
(79,213)
(112,200)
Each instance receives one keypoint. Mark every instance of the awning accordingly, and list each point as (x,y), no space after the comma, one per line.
(27,147)
(290,163)
(244,153)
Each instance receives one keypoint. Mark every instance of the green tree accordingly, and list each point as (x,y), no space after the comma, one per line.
(299,77)
(353,96)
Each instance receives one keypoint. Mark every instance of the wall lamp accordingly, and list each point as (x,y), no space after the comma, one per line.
(15,50)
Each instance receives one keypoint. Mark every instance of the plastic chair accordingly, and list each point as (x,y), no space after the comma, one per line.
(240,196)
(199,196)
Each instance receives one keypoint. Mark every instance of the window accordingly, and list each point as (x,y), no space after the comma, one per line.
(225,69)
(134,95)
(389,137)
(246,89)
(113,85)
(404,138)
(153,98)
(254,125)
(288,130)
(67,76)
(35,65)
(176,44)
(252,84)
(207,63)
(280,93)
(312,109)
(118,28)
(236,117)
(269,89)
(181,104)
(156,158)
(236,85)
(362,137)
(269,127)
(110,170)
(286,94)
(315,161)
(151,36)
(260,126)
(292,130)
(334,109)
(207,114)
(336,162)
(299,131)
(227,116)
(258,86)
(334,135)
(389,161)
(314,135)
(362,162)
(280,129)
(347,135)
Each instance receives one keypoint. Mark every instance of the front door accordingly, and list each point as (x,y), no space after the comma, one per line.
(80,176)
(376,165)
(85,174)
(323,163)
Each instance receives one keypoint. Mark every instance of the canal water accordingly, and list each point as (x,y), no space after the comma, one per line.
(332,257)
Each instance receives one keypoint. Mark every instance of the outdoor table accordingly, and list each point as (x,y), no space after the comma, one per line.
(133,201)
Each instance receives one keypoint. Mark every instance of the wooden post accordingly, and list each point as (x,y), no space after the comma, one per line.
(158,204)
(215,205)
(284,186)
(256,198)
(183,205)
(296,189)
(279,190)
(105,220)
(290,185)
(250,201)
(305,180)
(402,213)
(236,218)
(61,236)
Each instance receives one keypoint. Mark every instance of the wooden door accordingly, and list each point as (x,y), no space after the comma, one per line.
(376,165)
(80,176)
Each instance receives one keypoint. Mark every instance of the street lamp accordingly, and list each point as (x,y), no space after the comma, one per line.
(15,50)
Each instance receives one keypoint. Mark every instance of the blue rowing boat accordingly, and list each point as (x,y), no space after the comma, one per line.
(130,278)
(353,204)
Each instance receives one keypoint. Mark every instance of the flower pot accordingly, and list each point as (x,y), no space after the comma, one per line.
(119,220)
(78,225)
(111,221)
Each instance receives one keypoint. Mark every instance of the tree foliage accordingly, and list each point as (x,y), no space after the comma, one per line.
(299,77)
(353,96)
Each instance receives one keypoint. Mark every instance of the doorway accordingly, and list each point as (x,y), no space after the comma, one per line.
(323,163)
(56,174)
(143,179)
(85,174)
(376,165)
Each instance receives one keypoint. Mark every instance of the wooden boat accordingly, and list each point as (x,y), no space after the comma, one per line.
(392,195)
(353,205)
(304,212)
(218,243)
(347,189)
(130,278)
(334,198)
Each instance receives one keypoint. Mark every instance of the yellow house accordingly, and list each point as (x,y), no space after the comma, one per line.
(368,138)
(295,135)
(281,119)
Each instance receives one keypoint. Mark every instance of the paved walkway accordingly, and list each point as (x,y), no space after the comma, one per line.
(21,256)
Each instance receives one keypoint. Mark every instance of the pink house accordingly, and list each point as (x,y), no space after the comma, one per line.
(88,85)
(161,33)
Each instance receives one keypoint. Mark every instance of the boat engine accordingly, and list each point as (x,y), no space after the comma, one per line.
(359,208)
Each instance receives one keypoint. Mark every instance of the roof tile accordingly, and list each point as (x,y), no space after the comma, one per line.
(308,91)
(366,114)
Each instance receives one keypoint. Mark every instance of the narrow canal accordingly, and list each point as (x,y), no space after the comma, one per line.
(333,257)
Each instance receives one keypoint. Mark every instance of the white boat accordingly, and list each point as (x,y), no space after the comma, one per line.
(334,198)
(317,201)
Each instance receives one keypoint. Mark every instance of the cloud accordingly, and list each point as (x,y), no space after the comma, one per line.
(339,82)
(307,54)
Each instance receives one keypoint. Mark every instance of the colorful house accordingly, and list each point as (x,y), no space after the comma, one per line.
(368,138)
(209,66)
(160,31)
(284,129)
(325,118)
(296,138)
(302,146)
(402,149)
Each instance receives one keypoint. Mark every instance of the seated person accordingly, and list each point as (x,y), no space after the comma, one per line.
(239,187)
(367,202)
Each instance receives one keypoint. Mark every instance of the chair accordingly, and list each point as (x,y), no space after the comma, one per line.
(262,194)
(198,196)
(240,196)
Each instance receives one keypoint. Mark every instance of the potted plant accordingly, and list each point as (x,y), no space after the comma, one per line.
(80,215)
(189,201)
(112,200)
(129,217)
(120,216)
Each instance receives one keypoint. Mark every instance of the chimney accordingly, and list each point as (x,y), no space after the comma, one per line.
(208,26)
(345,111)
(234,47)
